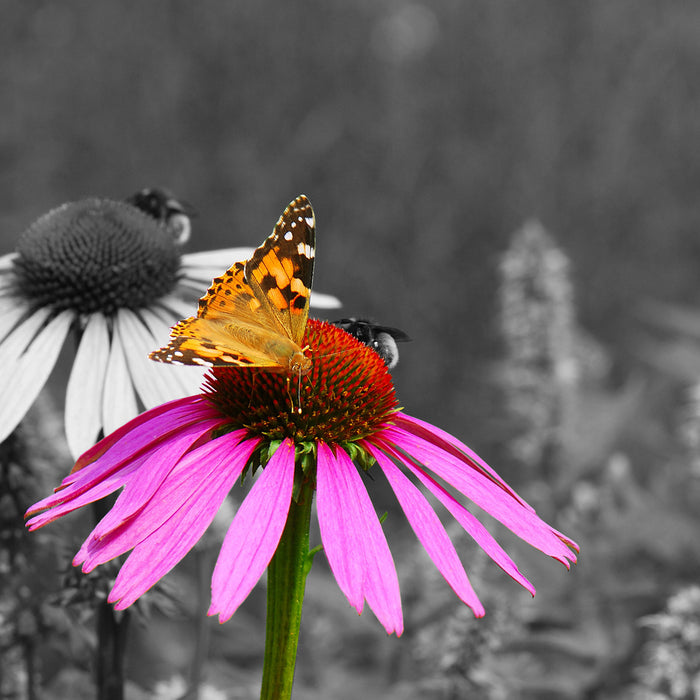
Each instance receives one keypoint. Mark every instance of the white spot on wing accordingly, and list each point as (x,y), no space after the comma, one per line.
(305,250)
(288,236)
(203,363)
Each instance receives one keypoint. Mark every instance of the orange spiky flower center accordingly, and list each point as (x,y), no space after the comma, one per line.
(347,394)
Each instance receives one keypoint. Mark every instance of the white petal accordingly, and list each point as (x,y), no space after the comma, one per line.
(23,376)
(8,278)
(155,382)
(7,286)
(184,380)
(11,311)
(86,385)
(221,259)
(324,301)
(189,285)
(199,269)
(119,401)
(175,309)
(203,267)
(167,315)
(7,261)
(19,338)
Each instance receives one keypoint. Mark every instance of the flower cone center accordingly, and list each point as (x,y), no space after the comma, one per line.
(96,255)
(347,394)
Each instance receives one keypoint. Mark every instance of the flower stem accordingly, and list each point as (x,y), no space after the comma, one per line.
(112,627)
(286,580)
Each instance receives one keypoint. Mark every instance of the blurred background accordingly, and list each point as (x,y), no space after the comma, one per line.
(515,185)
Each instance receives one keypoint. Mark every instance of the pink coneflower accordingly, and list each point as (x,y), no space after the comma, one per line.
(176,464)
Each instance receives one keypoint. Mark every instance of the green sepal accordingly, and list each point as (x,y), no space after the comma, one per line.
(310,557)
(359,455)
(305,467)
(305,457)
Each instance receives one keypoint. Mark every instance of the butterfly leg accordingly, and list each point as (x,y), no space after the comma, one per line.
(289,394)
(252,390)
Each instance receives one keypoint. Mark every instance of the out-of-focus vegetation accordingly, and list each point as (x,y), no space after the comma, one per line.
(425,134)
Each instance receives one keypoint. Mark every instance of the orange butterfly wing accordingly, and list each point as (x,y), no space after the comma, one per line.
(255,314)
(280,272)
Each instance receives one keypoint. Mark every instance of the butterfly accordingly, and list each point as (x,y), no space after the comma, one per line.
(382,339)
(255,314)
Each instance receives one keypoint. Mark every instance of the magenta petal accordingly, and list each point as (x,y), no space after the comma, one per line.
(176,413)
(340,525)
(357,534)
(113,468)
(139,489)
(430,532)
(123,529)
(68,500)
(451,444)
(488,495)
(254,534)
(467,520)
(199,494)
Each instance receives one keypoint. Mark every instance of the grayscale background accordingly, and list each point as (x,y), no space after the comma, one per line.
(427,134)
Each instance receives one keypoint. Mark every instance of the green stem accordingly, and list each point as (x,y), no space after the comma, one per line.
(286,580)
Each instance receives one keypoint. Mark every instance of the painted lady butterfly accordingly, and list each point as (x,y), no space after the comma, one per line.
(255,314)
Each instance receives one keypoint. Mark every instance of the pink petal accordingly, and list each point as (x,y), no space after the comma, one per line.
(449,443)
(168,484)
(122,447)
(199,495)
(488,495)
(430,532)
(254,534)
(139,490)
(68,500)
(356,534)
(340,526)
(145,428)
(109,473)
(466,519)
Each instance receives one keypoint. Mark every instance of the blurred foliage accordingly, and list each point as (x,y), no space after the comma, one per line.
(672,654)
(540,367)
(424,134)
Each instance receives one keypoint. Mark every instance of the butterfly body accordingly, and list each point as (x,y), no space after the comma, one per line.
(254,315)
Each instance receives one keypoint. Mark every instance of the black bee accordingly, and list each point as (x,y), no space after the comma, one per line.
(162,206)
(382,339)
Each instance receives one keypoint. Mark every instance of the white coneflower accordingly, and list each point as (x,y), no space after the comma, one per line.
(113,274)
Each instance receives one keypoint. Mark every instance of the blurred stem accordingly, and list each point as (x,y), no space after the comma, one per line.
(30,668)
(112,628)
(286,581)
(203,629)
